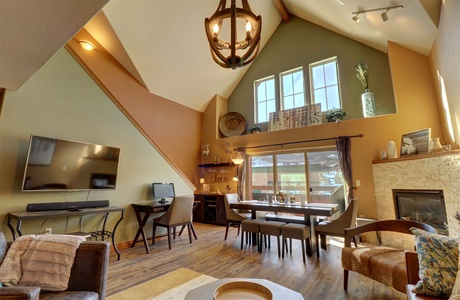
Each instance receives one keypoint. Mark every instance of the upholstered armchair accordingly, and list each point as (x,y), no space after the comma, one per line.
(88,276)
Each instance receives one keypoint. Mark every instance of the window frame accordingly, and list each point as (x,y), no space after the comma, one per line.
(312,89)
(281,84)
(256,99)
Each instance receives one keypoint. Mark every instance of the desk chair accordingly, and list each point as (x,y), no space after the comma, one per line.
(195,204)
(233,218)
(178,214)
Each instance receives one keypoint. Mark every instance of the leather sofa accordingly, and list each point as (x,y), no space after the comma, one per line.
(88,277)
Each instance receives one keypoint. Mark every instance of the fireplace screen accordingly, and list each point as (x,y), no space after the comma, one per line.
(426,206)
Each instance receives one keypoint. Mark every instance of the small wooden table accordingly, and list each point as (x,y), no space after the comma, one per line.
(310,211)
(20,216)
(148,208)
(207,291)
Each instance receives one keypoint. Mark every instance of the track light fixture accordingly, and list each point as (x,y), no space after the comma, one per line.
(384,14)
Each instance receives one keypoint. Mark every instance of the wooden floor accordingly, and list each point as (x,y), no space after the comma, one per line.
(316,279)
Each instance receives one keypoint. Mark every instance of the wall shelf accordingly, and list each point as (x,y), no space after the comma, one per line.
(216,165)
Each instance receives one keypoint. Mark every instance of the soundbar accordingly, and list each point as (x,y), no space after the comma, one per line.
(66,205)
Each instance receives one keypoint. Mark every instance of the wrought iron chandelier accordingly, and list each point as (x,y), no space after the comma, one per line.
(233,54)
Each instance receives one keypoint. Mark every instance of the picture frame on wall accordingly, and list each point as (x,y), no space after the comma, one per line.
(417,142)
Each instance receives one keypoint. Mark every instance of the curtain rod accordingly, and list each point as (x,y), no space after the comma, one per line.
(299,142)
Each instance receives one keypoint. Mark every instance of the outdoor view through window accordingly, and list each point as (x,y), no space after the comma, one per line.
(292,171)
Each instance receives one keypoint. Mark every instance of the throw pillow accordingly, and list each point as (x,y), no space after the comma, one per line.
(456,290)
(3,246)
(438,263)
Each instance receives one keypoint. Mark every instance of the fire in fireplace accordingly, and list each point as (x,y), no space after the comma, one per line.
(426,206)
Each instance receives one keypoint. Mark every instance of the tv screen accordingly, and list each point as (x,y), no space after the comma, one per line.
(62,165)
(163,190)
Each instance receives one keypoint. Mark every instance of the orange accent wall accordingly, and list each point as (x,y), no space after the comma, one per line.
(172,128)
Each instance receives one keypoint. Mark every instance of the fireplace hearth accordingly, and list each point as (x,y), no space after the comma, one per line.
(426,206)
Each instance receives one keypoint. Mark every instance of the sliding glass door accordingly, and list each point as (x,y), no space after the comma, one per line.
(314,175)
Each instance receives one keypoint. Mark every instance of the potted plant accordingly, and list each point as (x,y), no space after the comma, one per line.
(335,115)
(367,98)
(362,72)
(254,129)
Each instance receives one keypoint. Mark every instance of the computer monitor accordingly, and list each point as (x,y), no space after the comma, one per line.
(163,190)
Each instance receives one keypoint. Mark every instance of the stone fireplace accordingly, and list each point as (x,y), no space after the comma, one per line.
(438,172)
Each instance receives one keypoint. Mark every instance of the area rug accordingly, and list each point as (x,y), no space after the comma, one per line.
(171,286)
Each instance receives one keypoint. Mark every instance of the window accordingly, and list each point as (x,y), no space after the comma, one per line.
(324,84)
(292,87)
(265,99)
(294,173)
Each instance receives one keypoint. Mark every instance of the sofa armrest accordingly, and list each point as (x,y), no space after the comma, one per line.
(412,267)
(402,226)
(89,271)
(20,293)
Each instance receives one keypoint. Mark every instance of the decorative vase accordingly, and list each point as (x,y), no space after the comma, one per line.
(368,101)
(435,145)
(392,153)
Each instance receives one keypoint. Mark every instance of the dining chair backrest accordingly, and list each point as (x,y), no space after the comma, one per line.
(348,218)
(230,213)
(179,212)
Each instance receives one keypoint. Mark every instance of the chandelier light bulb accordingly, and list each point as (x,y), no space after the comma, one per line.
(248,26)
(215,28)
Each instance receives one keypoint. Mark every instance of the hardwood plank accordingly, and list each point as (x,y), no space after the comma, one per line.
(317,279)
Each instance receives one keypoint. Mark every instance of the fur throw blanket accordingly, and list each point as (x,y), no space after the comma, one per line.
(40,260)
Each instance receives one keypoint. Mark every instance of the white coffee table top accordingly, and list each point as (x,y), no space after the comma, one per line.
(206,291)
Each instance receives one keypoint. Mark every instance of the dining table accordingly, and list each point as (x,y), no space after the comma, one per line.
(310,211)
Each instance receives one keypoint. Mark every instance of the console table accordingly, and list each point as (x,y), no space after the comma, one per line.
(21,216)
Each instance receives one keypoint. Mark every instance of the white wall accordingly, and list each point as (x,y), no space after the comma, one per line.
(62,101)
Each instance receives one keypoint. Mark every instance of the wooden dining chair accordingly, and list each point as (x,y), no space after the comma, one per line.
(233,217)
(178,214)
(336,227)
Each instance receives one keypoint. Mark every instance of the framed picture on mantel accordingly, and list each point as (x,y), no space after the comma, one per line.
(417,142)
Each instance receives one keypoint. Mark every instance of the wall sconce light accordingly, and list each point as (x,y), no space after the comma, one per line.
(239,159)
(202,179)
(242,52)
(384,14)
(87,45)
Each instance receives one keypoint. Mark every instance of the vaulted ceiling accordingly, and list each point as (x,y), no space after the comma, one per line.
(163,44)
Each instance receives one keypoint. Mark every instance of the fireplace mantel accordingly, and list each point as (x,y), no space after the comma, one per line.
(420,156)
(437,171)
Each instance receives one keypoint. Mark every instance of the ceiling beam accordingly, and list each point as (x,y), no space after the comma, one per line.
(279,4)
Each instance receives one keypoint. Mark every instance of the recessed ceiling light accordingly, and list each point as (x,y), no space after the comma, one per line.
(87,45)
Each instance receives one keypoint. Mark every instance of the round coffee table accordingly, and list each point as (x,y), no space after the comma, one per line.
(206,291)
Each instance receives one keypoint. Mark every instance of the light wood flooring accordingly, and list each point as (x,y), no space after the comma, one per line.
(316,279)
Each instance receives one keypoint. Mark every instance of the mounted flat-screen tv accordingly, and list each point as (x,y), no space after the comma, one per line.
(61,165)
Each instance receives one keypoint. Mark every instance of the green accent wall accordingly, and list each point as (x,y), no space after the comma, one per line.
(299,43)
(61,100)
